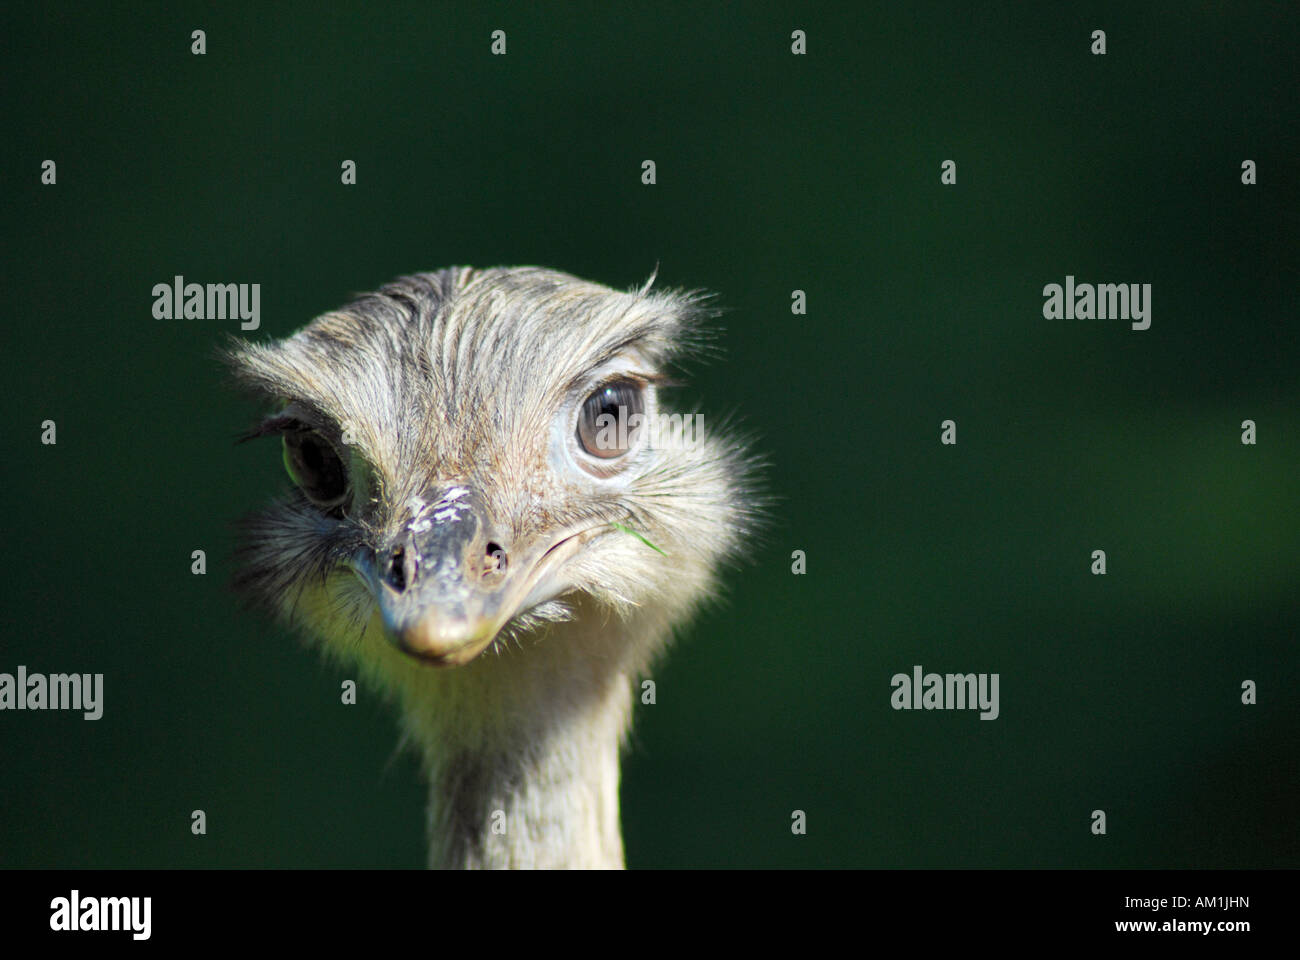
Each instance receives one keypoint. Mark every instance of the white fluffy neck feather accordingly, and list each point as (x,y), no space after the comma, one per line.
(537,799)
(521,747)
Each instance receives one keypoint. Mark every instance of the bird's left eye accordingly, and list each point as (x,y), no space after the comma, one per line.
(315,466)
(610,419)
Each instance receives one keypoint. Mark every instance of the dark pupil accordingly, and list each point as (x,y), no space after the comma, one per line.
(318,467)
(608,401)
(606,429)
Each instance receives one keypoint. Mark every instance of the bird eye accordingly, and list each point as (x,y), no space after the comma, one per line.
(315,466)
(611,419)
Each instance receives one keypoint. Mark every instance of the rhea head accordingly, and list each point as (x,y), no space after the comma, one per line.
(475,453)
(484,520)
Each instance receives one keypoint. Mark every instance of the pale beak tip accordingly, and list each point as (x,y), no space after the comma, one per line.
(447,642)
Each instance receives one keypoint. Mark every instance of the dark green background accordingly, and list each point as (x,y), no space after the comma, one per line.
(775,172)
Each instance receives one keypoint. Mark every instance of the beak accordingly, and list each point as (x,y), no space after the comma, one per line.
(444,587)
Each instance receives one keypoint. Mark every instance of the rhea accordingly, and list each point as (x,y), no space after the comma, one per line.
(474,527)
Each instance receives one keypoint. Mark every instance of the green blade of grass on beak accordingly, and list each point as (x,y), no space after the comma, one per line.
(627,529)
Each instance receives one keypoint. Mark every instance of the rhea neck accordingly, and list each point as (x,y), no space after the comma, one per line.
(521,749)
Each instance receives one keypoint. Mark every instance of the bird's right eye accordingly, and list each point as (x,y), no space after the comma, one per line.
(316,467)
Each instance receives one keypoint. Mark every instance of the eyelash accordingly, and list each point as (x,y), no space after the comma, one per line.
(282,423)
(276,426)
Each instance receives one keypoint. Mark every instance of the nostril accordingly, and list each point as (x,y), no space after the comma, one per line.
(496,558)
